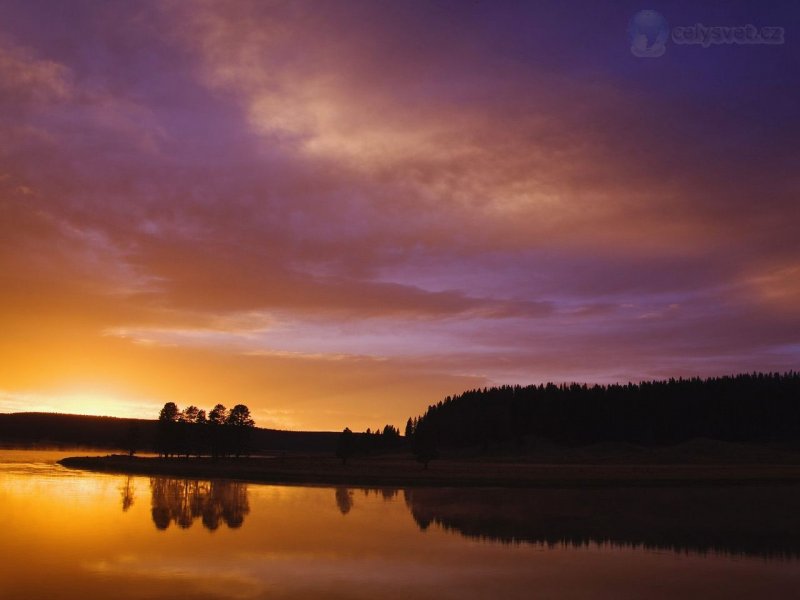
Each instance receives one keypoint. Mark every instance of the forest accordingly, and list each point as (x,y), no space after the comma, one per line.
(758,407)
(748,408)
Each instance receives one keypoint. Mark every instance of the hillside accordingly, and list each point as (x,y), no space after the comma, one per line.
(53,430)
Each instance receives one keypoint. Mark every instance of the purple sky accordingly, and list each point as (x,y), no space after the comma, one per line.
(338,213)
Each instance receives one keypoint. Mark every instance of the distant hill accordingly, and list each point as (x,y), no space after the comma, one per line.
(54,429)
(751,408)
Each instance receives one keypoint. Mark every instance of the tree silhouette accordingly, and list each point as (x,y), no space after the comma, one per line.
(218,415)
(170,413)
(240,416)
(758,407)
(240,422)
(217,437)
(386,439)
(168,435)
(345,447)
(189,431)
(132,439)
(189,414)
(191,437)
(424,446)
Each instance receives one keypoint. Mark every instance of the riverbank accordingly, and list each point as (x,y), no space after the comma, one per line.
(404,472)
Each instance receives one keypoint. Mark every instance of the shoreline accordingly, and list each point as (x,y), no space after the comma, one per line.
(403,473)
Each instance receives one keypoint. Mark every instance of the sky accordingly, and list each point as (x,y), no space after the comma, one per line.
(339,213)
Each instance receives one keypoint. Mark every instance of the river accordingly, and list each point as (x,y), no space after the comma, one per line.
(76,535)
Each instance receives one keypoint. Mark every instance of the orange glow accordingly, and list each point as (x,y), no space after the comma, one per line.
(339,230)
(301,542)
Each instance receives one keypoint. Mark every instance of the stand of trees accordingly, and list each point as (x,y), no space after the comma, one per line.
(370,442)
(758,407)
(42,430)
(191,432)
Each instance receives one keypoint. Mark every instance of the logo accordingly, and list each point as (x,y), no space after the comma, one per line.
(648,32)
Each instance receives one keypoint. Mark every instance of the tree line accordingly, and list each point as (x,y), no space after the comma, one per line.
(192,431)
(386,439)
(757,407)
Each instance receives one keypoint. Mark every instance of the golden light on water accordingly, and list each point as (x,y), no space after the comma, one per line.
(101,536)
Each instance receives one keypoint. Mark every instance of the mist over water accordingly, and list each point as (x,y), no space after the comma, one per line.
(102,536)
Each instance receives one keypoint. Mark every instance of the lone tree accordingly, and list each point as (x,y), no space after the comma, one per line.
(345,446)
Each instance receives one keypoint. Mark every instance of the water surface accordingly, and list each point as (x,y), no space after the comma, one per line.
(72,535)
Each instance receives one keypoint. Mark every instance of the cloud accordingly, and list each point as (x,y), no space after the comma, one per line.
(26,79)
(194,198)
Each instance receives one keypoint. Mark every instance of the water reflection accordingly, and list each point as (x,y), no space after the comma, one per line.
(182,501)
(127,491)
(294,542)
(386,493)
(739,520)
(344,496)
(344,499)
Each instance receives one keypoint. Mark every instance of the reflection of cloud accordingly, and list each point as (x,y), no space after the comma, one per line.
(193,577)
(253,574)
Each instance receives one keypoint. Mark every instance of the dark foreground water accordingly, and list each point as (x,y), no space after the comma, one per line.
(71,535)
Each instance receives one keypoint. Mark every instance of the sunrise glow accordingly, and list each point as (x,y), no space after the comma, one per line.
(339,213)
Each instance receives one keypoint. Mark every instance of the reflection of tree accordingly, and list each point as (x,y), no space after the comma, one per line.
(127,494)
(386,493)
(746,520)
(183,500)
(344,496)
(344,499)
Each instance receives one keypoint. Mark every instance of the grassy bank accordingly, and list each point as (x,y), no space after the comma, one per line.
(403,472)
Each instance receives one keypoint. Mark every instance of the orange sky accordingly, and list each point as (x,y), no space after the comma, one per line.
(339,215)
